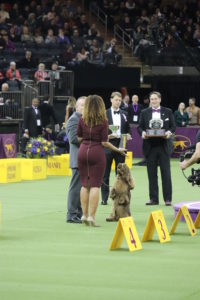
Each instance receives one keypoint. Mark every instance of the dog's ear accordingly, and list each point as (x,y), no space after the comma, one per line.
(113,193)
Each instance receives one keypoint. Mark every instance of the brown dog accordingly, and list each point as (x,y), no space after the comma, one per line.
(120,193)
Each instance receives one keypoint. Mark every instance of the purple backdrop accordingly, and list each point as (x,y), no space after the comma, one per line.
(7,145)
(184,137)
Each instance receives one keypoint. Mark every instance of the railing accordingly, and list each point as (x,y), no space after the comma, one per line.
(100,14)
(30,92)
(58,88)
(124,37)
(11,105)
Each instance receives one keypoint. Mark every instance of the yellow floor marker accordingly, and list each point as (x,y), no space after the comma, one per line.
(197,221)
(126,227)
(185,212)
(156,221)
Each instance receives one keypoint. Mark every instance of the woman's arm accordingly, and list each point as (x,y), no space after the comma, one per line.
(110,146)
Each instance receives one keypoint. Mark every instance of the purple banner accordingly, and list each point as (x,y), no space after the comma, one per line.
(184,137)
(8,145)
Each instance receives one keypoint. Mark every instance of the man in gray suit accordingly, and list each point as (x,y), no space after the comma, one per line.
(74,211)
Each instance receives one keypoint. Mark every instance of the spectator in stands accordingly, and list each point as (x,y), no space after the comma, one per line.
(93,32)
(83,25)
(67,28)
(170,41)
(71,9)
(77,41)
(62,38)
(68,57)
(181,116)
(193,112)
(26,35)
(13,37)
(96,56)
(110,54)
(12,73)
(50,38)
(41,74)
(111,11)
(4,15)
(32,23)
(4,87)
(82,56)
(9,45)
(54,73)
(70,108)
(38,38)
(134,110)
(130,5)
(127,25)
(27,62)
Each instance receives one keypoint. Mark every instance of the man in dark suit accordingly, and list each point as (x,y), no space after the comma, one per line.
(47,112)
(32,124)
(32,119)
(157,150)
(116,117)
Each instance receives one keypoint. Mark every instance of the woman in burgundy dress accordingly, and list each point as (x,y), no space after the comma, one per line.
(93,135)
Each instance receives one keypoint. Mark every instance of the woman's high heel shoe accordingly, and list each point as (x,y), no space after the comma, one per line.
(92,222)
(85,220)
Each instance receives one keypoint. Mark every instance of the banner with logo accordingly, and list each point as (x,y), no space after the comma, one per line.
(184,137)
(8,145)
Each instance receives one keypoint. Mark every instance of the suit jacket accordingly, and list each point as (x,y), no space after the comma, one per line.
(30,121)
(47,112)
(168,124)
(71,130)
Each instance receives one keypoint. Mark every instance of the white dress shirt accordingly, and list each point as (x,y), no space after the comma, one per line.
(156,115)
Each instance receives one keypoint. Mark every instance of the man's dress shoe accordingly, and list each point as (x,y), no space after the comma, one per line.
(151,202)
(104,202)
(75,220)
(168,203)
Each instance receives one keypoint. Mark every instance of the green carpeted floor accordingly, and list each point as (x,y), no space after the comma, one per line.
(42,257)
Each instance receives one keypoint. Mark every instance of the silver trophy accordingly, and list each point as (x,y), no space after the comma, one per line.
(156,128)
(114,129)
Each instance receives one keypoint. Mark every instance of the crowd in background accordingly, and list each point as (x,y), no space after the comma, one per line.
(46,31)
(161,24)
